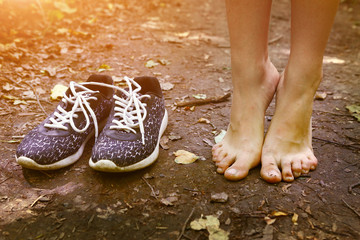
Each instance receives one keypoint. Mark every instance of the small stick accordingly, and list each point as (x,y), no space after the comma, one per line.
(36,200)
(353,186)
(186,222)
(353,209)
(5,180)
(336,143)
(152,189)
(204,101)
(37,98)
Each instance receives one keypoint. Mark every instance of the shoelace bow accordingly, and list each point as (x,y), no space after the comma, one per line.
(79,100)
(130,110)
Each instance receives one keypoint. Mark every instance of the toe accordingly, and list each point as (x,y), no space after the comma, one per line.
(305,165)
(286,170)
(237,171)
(313,162)
(224,164)
(219,154)
(269,170)
(296,167)
(216,147)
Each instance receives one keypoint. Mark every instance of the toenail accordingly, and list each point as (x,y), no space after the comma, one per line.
(272,173)
(296,174)
(231,171)
(312,167)
(220,170)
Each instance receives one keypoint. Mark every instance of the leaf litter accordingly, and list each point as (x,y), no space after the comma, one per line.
(185,157)
(58,91)
(212,225)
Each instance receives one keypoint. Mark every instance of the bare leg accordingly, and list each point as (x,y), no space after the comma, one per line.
(254,82)
(287,151)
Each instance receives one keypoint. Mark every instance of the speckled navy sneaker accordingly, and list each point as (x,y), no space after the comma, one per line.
(131,136)
(60,139)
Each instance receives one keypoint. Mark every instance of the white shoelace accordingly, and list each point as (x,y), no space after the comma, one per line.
(79,99)
(131,110)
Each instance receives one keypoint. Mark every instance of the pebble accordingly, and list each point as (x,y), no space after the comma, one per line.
(219,197)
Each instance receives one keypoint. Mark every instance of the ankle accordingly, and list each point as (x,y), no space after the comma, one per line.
(253,72)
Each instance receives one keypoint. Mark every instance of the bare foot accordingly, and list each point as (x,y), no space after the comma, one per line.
(287,152)
(240,150)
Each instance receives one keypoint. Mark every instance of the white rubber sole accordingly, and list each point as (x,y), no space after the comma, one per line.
(105,165)
(29,163)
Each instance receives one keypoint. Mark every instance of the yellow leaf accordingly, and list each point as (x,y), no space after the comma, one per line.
(103,67)
(9,97)
(212,225)
(151,64)
(185,157)
(278,213)
(58,91)
(18,102)
(295,218)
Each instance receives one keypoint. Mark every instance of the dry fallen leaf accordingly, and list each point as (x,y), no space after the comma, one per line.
(220,136)
(58,91)
(151,64)
(18,102)
(295,218)
(163,142)
(212,225)
(285,188)
(354,110)
(200,96)
(320,95)
(7,87)
(104,67)
(166,86)
(203,120)
(269,221)
(164,62)
(185,157)
(278,213)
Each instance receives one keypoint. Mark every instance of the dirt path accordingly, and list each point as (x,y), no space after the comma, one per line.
(190,43)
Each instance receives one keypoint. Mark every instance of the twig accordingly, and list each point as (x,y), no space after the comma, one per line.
(5,180)
(152,189)
(36,200)
(335,114)
(37,98)
(275,39)
(353,186)
(32,88)
(353,209)
(185,224)
(336,143)
(204,101)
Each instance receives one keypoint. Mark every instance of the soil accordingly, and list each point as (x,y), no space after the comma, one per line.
(190,43)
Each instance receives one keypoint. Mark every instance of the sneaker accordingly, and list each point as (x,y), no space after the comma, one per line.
(60,139)
(130,139)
